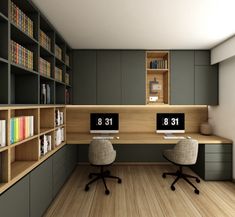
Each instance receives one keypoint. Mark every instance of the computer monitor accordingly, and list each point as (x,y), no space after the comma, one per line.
(170,123)
(104,123)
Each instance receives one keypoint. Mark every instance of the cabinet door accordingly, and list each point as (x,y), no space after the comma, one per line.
(182,77)
(84,77)
(133,77)
(202,57)
(109,78)
(41,188)
(15,201)
(206,85)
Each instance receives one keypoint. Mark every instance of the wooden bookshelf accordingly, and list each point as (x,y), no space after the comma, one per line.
(20,158)
(157,77)
(14,75)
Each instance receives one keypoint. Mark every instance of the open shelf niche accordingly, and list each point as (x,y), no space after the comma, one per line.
(157,77)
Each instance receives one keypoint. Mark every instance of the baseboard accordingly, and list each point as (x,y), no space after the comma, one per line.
(133,163)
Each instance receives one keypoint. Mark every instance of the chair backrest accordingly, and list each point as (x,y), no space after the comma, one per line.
(186,151)
(101,152)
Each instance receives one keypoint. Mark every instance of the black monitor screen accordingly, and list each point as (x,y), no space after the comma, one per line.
(170,122)
(104,122)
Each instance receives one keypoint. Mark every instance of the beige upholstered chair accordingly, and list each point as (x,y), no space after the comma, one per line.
(101,153)
(184,153)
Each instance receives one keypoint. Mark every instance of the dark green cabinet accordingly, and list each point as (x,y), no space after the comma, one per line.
(182,77)
(193,80)
(41,188)
(206,85)
(133,77)
(15,201)
(84,77)
(109,78)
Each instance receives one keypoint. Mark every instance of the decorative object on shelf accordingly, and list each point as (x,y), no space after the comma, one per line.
(153,98)
(206,129)
(45,94)
(154,86)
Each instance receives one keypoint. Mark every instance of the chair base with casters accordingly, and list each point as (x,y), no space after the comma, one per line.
(102,175)
(179,174)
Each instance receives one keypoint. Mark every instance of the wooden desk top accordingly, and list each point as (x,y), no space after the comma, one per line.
(145,138)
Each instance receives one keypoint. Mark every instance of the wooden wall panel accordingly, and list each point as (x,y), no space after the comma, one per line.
(134,119)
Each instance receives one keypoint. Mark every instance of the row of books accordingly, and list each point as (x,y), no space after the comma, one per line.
(44,40)
(67,59)
(59,136)
(159,64)
(66,78)
(2,133)
(21,55)
(21,128)
(44,67)
(58,74)
(20,19)
(45,94)
(58,52)
(59,117)
(45,144)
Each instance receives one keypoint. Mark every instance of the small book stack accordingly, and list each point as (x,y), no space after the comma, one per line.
(58,74)
(59,117)
(45,94)
(2,133)
(21,20)
(21,128)
(44,67)
(45,144)
(67,59)
(59,136)
(159,64)
(67,78)
(45,41)
(58,52)
(21,55)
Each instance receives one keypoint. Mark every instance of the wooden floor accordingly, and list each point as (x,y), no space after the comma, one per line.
(143,193)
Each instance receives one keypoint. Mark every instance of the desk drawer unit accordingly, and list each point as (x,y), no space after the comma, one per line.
(214,162)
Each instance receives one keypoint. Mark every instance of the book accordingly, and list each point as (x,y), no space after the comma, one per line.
(2,133)
(48,94)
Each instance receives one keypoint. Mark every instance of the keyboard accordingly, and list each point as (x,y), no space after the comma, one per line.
(174,137)
(103,137)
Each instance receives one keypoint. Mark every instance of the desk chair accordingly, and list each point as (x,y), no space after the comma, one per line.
(184,153)
(101,154)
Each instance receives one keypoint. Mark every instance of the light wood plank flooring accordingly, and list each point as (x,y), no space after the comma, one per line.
(143,193)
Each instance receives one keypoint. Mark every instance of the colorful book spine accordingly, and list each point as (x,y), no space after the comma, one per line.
(21,128)
(21,20)
(44,67)
(21,55)
(58,74)
(44,40)
(58,52)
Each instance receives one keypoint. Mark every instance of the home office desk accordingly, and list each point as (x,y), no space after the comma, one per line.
(214,157)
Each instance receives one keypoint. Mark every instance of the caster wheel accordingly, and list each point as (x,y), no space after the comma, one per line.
(196,191)
(87,188)
(90,176)
(197,180)
(119,181)
(163,175)
(107,192)
(173,188)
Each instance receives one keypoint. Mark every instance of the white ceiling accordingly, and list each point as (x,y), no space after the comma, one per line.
(141,24)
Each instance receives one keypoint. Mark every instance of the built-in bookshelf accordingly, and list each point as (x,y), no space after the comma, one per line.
(20,157)
(157,77)
(28,58)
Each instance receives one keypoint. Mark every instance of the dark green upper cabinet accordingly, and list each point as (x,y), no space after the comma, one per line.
(193,80)
(109,78)
(133,77)
(182,77)
(206,85)
(84,77)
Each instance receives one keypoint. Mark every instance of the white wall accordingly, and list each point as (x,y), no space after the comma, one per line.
(222,117)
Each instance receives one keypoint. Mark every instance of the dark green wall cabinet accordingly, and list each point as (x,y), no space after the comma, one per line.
(15,201)
(193,80)
(109,77)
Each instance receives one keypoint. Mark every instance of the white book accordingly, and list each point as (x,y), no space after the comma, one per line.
(49,143)
(31,118)
(2,133)
(62,134)
(61,117)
